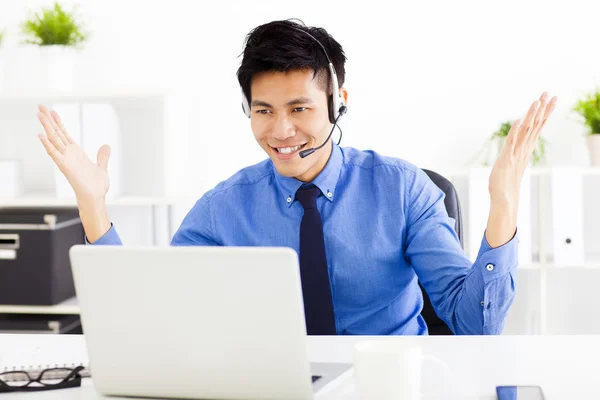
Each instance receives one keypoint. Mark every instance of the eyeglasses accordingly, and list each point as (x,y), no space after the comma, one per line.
(48,379)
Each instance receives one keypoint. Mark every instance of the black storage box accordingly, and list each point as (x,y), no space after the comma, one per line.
(40,323)
(34,255)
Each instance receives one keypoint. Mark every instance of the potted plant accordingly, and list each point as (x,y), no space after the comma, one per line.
(589,108)
(58,35)
(539,153)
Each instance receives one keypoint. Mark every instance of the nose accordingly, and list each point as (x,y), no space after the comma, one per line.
(283,128)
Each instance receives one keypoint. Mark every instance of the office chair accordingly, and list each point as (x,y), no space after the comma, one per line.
(434,324)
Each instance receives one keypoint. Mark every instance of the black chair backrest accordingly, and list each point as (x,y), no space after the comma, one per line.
(434,324)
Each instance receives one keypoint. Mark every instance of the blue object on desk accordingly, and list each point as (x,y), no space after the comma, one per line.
(519,393)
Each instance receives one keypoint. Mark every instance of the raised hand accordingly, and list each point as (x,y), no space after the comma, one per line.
(507,173)
(89,180)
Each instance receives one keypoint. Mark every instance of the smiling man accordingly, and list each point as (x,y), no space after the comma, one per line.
(367,228)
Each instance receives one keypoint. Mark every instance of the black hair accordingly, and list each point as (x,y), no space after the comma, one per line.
(278,46)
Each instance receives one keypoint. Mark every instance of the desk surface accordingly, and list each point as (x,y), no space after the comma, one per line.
(565,366)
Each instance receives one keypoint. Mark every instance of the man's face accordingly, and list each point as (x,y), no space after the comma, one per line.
(289,114)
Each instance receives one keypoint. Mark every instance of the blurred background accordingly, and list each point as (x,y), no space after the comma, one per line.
(430,82)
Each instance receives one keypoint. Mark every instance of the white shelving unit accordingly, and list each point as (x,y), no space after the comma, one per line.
(541,203)
(47,201)
(537,309)
(533,171)
(149,162)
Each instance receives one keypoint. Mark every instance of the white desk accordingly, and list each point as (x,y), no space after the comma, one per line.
(565,366)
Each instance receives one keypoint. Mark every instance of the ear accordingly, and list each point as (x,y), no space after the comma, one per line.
(343,92)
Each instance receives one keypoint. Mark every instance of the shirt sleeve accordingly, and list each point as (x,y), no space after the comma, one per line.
(111,237)
(472,298)
(197,228)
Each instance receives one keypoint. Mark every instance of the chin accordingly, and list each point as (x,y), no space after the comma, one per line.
(287,170)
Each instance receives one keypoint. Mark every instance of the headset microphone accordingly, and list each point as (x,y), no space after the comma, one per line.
(308,152)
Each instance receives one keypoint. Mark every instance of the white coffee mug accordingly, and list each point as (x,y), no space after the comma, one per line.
(386,369)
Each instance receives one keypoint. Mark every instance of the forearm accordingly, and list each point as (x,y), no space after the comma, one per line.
(502,222)
(95,220)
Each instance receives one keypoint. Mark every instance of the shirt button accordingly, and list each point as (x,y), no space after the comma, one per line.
(489,267)
(329,194)
(289,199)
(482,304)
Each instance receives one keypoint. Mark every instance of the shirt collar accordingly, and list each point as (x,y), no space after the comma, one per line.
(326,180)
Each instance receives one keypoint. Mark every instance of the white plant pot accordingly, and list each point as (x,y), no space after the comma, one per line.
(593,143)
(57,68)
(21,68)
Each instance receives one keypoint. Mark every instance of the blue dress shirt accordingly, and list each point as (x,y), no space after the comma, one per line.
(385,226)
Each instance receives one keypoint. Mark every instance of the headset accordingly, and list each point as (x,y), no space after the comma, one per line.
(335,103)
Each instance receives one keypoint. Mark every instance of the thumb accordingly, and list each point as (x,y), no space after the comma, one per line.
(103,156)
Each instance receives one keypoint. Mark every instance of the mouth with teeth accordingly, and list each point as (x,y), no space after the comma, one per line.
(286,153)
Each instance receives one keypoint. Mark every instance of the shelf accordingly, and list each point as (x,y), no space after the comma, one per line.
(69,306)
(533,171)
(82,95)
(47,201)
(586,265)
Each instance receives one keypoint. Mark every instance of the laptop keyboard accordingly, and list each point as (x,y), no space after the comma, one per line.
(315,378)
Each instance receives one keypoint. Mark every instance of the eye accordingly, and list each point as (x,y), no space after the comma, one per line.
(298,109)
(262,111)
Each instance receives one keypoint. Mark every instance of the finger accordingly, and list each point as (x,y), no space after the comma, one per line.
(549,110)
(43,109)
(56,155)
(527,124)
(51,133)
(544,98)
(103,156)
(60,124)
(511,138)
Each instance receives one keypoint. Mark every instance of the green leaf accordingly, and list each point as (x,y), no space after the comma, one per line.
(503,129)
(589,108)
(53,26)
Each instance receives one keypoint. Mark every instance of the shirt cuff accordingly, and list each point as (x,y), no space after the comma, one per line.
(109,238)
(495,262)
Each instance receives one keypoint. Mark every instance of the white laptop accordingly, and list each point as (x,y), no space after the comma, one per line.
(197,322)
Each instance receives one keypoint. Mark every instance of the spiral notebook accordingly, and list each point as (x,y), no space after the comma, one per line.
(36,359)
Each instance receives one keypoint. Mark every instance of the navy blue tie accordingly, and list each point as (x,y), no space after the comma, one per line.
(318,305)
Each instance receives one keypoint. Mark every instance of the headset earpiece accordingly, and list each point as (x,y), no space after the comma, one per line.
(340,107)
(331,109)
(245,105)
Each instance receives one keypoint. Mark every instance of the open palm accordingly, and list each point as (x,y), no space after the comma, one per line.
(507,173)
(89,180)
